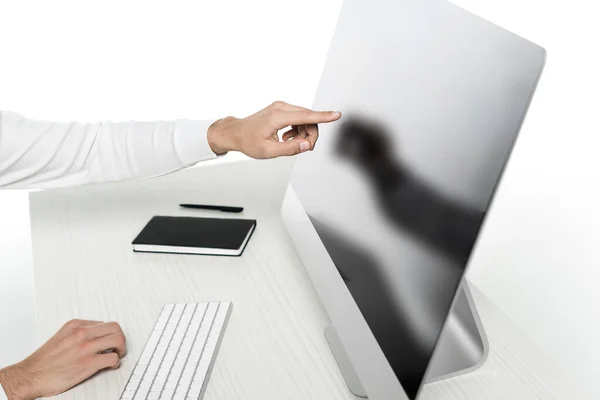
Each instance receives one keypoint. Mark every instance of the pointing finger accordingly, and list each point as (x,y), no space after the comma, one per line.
(282,105)
(281,119)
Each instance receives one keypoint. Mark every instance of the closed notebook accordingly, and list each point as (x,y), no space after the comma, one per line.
(190,235)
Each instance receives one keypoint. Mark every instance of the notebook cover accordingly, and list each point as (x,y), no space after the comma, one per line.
(214,233)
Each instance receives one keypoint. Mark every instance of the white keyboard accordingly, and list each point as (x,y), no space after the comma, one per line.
(179,355)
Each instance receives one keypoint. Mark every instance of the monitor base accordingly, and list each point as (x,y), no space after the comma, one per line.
(462,348)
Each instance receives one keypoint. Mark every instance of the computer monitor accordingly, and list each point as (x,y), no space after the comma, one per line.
(386,210)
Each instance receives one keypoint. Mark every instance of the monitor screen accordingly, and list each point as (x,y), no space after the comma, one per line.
(398,188)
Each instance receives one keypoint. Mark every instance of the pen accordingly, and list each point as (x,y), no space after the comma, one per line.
(216,208)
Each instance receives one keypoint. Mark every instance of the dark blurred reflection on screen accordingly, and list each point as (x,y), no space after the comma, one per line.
(407,201)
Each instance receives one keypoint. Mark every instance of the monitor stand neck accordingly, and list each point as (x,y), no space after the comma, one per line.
(462,348)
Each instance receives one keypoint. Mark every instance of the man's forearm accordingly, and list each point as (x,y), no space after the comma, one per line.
(14,384)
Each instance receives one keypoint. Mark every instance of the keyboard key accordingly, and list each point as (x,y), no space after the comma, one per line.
(197,383)
(139,370)
(152,369)
(179,395)
(187,374)
(168,307)
(156,386)
(141,395)
(171,385)
(167,394)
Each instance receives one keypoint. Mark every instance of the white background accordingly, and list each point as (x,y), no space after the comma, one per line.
(538,258)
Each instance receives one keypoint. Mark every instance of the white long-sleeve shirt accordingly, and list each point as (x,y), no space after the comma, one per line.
(43,154)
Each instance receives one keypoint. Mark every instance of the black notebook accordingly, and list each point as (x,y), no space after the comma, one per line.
(189,235)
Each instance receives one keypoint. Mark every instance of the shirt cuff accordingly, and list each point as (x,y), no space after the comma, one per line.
(191,142)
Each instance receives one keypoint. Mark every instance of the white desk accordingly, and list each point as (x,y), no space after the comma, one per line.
(17,308)
(274,346)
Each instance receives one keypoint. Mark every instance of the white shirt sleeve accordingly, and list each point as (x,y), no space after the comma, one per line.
(42,154)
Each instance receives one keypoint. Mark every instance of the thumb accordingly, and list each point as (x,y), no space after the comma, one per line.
(287,148)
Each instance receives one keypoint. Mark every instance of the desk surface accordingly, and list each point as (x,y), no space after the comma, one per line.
(17,322)
(274,346)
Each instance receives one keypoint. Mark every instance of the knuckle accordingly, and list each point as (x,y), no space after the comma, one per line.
(83,347)
(114,326)
(74,323)
(278,104)
(79,334)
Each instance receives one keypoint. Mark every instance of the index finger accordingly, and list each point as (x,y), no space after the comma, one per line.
(281,119)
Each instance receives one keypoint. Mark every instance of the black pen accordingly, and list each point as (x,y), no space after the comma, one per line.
(216,208)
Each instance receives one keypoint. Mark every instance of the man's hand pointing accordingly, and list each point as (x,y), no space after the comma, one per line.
(257,135)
